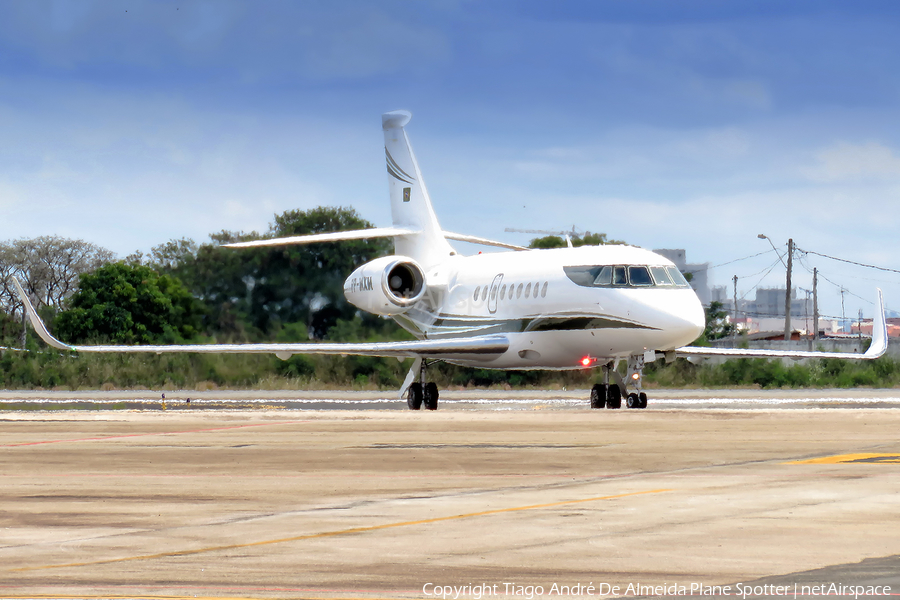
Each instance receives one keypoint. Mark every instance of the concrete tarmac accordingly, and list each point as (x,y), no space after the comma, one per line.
(514,496)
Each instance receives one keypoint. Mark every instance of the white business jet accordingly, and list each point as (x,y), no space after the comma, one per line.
(565,308)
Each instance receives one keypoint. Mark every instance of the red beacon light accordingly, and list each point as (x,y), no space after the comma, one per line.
(587,361)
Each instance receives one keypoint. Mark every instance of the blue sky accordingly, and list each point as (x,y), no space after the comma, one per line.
(691,125)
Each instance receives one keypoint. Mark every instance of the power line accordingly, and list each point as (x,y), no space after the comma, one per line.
(845,289)
(852,262)
(767,271)
(837,285)
(735,260)
(740,259)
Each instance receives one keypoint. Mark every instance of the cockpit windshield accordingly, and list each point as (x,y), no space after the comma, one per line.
(639,276)
(626,276)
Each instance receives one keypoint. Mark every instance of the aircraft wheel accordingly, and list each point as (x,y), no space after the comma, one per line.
(598,396)
(643,398)
(614,397)
(414,396)
(430,396)
(633,401)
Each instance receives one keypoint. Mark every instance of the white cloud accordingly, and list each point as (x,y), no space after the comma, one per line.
(847,161)
(639,153)
(128,172)
(230,40)
(753,94)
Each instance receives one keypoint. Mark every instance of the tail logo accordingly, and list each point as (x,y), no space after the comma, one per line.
(397,173)
(406,192)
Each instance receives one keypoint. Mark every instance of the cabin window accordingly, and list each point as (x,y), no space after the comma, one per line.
(544,290)
(484,293)
(661,276)
(478,289)
(528,289)
(639,276)
(519,291)
(503,292)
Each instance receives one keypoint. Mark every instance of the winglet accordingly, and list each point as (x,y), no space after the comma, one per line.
(36,321)
(879,330)
(877,347)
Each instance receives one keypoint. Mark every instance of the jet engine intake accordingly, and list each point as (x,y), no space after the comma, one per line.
(390,285)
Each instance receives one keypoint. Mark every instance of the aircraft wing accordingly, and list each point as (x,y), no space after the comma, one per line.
(361,234)
(876,348)
(487,345)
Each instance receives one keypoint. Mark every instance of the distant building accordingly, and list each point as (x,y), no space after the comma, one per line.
(769,303)
(697,273)
(893,327)
(766,311)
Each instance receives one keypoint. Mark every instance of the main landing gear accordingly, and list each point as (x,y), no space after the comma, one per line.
(420,393)
(609,395)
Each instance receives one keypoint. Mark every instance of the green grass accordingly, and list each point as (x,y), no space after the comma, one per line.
(55,370)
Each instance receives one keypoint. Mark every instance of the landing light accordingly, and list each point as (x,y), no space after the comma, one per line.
(635,376)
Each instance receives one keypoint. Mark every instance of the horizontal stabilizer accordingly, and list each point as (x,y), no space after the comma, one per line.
(361,234)
(493,345)
(336,236)
(461,237)
(877,348)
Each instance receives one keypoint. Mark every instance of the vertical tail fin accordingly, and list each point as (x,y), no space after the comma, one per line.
(410,203)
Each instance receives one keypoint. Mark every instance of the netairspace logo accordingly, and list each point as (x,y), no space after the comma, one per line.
(740,590)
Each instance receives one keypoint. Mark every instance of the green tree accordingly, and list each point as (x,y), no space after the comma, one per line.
(10,331)
(588,239)
(48,268)
(253,293)
(129,304)
(307,282)
(717,325)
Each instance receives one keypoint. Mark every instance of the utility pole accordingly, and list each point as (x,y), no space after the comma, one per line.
(734,321)
(815,304)
(860,327)
(843,314)
(787,292)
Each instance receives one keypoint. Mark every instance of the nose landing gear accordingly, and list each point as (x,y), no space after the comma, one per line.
(636,400)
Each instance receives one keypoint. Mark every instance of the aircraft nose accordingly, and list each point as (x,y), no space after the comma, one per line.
(697,321)
(689,320)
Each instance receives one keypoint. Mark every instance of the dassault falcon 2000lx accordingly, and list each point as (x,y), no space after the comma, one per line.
(565,308)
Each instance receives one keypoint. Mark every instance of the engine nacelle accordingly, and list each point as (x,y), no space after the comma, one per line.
(386,286)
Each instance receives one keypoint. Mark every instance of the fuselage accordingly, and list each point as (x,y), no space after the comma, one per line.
(558,307)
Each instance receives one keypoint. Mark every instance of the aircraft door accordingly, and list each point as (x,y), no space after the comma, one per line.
(495,291)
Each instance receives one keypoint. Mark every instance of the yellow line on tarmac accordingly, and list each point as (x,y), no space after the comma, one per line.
(849,458)
(325,534)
